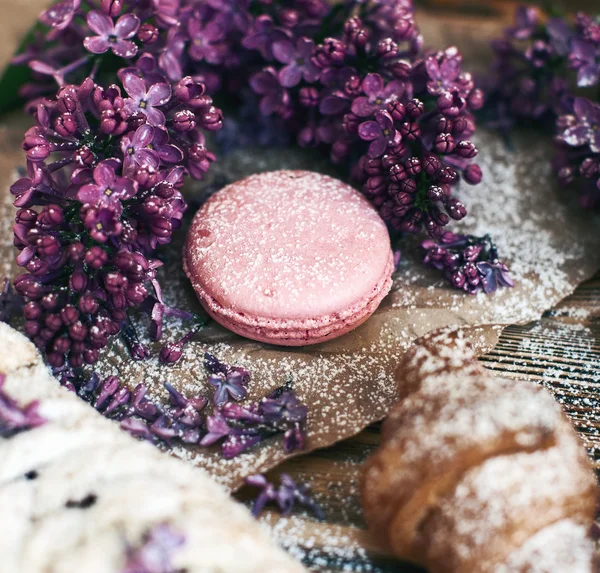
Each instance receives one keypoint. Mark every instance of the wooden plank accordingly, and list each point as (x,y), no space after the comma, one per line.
(561,351)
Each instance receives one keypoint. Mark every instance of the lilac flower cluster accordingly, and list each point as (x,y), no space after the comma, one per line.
(155,552)
(351,77)
(537,62)
(14,418)
(237,427)
(469,263)
(105,167)
(577,143)
(534,62)
(399,119)
(285,496)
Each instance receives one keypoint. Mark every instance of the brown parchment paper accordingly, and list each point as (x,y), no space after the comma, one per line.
(549,243)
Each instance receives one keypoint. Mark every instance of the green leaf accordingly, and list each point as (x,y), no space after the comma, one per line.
(15,76)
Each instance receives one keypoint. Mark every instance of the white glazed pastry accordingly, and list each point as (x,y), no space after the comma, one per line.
(79,494)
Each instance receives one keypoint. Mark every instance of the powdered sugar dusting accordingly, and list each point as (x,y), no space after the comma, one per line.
(571,550)
(349,382)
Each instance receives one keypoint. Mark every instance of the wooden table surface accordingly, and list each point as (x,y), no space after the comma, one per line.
(561,351)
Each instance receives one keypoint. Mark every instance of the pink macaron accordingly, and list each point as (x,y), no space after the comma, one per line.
(289,257)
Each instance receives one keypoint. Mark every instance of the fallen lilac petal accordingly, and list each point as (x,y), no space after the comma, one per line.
(214,365)
(137,428)
(13,418)
(234,411)
(234,445)
(109,387)
(121,398)
(217,429)
(175,396)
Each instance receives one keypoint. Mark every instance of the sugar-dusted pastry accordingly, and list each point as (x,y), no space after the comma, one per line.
(477,473)
(79,494)
(289,257)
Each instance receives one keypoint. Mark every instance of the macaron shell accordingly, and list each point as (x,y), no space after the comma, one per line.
(302,332)
(288,251)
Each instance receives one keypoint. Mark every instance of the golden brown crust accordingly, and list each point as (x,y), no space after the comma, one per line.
(472,467)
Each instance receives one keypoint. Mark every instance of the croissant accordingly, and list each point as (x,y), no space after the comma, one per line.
(478,473)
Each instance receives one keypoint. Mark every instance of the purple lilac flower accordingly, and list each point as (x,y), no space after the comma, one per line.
(204,41)
(146,100)
(377,95)
(526,21)
(577,150)
(217,427)
(146,68)
(116,37)
(585,128)
(61,14)
(136,149)
(165,151)
(529,72)
(469,263)
(14,418)
(108,188)
(26,188)
(230,386)
(298,61)
(445,73)
(585,58)
(228,381)
(263,35)
(286,496)
(381,133)
(279,413)
(154,554)
(98,175)
(274,97)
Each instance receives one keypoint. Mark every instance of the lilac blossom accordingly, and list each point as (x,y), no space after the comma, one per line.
(469,263)
(585,58)
(263,36)
(116,37)
(381,133)
(298,61)
(146,100)
(230,386)
(377,95)
(119,186)
(274,97)
(14,418)
(108,188)
(585,128)
(444,73)
(217,427)
(531,77)
(60,16)
(145,68)
(204,41)
(136,149)
(286,496)
(577,150)
(26,188)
